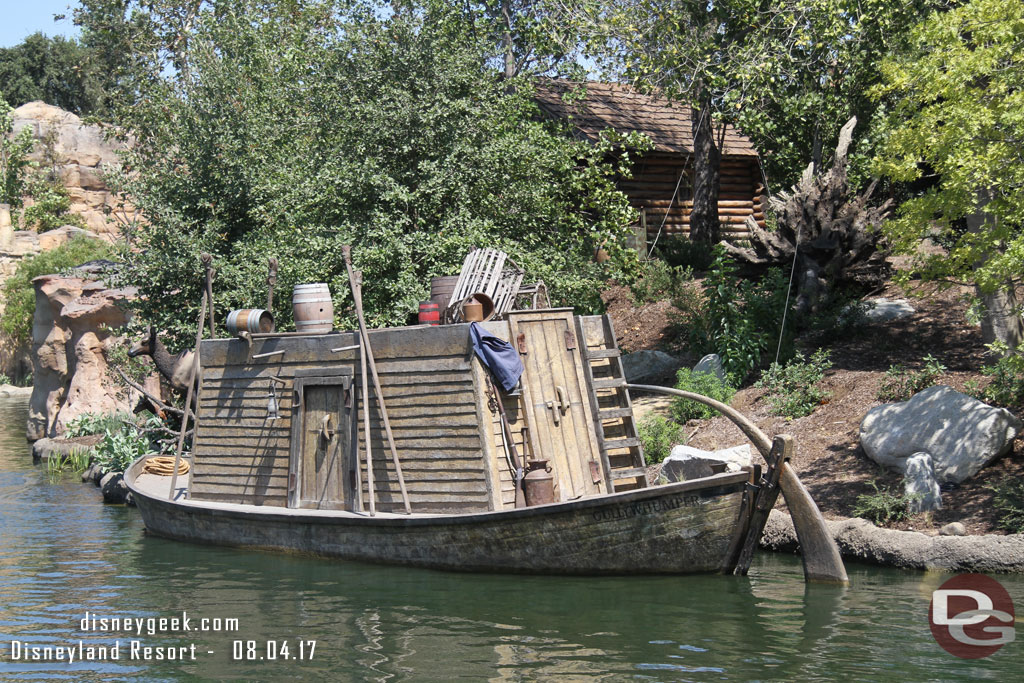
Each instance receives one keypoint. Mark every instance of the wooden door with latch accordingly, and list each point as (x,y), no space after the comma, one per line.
(558,411)
(322,462)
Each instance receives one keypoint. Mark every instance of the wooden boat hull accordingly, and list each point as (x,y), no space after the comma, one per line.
(673,529)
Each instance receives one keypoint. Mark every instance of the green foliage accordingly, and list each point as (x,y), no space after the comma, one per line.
(19,294)
(14,163)
(657,280)
(95,423)
(658,435)
(51,206)
(4,379)
(680,251)
(900,383)
(55,70)
(705,384)
(120,447)
(304,128)
(957,126)
(736,318)
(793,389)
(1006,387)
(1009,502)
(76,461)
(882,506)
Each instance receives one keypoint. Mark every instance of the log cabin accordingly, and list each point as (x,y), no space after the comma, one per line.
(660,187)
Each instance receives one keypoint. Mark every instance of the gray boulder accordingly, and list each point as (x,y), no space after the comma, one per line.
(641,367)
(710,364)
(953,529)
(686,463)
(113,487)
(961,434)
(920,486)
(883,310)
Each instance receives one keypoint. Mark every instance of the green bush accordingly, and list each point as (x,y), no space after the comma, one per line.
(19,294)
(1009,501)
(736,318)
(899,383)
(51,207)
(657,280)
(1006,388)
(705,384)
(120,447)
(658,435)
(684,252)
(882,506)
(793,389)
(95,423)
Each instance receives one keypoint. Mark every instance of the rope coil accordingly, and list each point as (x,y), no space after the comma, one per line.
(163,465)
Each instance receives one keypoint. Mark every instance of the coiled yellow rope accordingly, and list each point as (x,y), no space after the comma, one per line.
(164,466)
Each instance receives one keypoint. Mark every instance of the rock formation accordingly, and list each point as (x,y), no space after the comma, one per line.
(75,322)
(83,156)
(961,433)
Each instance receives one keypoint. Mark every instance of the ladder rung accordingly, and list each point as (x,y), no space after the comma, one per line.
(603,353)
(621,443)
(611,413)
(614,383)
(629,473)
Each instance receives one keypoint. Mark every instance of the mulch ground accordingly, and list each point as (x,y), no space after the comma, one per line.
(829,458)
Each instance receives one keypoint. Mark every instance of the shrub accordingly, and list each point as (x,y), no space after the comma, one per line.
(658,280)
(793,389)
(120,447)
(680,251)
(50,208)
(899,383)
(1006,389)
(1009,501)
(705,384)
(658,435)
(18,292)
(95,423)
(882,506)
(75,461)
(736,318)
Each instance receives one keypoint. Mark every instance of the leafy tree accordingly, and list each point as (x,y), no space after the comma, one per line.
(959,125)
(55,70)
(14,163)
(300,129)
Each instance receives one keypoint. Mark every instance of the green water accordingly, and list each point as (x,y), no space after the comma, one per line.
(63,553)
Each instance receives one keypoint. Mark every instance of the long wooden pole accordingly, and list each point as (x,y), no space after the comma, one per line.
(366,412)
(365,337)
(188,398)
(207,260)
(819,552)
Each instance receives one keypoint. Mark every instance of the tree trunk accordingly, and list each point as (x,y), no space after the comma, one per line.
(1001,320)
(507,45)
(706,163)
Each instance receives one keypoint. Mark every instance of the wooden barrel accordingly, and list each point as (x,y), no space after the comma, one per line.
(249,320)
(312,308)
(429,313)
(442,288)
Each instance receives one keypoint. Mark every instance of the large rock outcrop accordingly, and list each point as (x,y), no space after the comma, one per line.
(82,154)
(76,320)
(961,433)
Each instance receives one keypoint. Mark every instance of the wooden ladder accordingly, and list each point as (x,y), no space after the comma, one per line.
(621,452)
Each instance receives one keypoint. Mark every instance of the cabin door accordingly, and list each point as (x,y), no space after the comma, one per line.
(559,416)
(322,461)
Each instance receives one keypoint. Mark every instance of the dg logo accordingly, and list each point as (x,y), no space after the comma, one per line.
(971,616)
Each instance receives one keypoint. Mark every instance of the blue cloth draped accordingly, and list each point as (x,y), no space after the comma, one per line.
(498,355)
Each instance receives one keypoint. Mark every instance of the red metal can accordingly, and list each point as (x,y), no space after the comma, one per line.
(429,313)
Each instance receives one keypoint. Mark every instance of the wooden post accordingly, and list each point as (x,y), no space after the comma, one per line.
(208,266)
(358,301)
(767,494)
(271,282)
(366,416)
(188,397)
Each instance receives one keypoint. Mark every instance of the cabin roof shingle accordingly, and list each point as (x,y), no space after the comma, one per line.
(621,107)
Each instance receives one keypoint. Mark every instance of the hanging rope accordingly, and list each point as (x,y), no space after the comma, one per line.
(792,271)
(675,193)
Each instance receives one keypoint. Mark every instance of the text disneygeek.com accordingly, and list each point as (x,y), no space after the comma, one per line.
(135,649)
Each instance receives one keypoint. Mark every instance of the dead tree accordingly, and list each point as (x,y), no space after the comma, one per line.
(832,230)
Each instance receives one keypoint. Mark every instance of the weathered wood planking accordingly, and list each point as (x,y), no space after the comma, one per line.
(428,383)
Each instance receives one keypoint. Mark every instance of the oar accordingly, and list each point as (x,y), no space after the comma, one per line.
(188,397)
(357,298)
(518,472)
(366,417)
(819,552)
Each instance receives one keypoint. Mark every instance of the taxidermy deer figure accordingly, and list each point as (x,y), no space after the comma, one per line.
(174,368)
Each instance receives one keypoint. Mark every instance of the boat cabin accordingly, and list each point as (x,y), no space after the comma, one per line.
(280,417)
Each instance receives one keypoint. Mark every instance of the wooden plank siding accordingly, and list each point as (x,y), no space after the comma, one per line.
(430,385)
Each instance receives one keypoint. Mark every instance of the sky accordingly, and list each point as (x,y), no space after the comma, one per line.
(21,18)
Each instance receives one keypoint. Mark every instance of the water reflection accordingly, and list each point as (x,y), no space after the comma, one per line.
(63,553)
